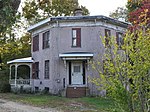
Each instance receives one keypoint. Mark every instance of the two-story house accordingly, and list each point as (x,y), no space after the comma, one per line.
(62,49)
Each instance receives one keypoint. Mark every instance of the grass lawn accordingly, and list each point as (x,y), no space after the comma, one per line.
(86,104)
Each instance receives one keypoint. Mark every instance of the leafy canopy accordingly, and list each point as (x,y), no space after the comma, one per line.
(139,13)
(8,10)
(37,10)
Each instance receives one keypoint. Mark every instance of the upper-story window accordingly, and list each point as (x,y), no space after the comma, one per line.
(46,40)
(119,39)
(35,43)
(76,37)
(46,76)
(107,37)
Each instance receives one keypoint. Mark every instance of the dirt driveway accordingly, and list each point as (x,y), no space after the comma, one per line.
(9,106)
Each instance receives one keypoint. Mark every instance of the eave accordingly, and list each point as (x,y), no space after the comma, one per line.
(78,18)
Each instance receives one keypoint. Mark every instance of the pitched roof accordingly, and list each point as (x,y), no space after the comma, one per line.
(21,60)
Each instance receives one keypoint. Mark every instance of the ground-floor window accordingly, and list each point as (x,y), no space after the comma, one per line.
(46,89)
(36,89)
(46,74)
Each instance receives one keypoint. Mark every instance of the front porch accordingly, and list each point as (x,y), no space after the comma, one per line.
(20,72)
(77,66)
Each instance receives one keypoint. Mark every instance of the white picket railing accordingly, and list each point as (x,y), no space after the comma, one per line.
(20,81)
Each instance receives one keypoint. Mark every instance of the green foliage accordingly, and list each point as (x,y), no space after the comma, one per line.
(12,49)
(126,71)
(8,10)
(8,16)
(4,87)
(139,13)
(35,11)
(16,48)
(4,75)
(133,5)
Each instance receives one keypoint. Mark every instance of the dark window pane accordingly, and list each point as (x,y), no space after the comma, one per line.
(35,69)
(107,37)
(76,37)
(35,43)
(119,39)
(46,69)
(46,40)
(76,69)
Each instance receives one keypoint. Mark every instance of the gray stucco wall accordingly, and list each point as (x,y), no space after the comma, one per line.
(61,42)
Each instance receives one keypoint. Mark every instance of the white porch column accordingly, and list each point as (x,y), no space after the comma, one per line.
(10,73)
(31,82)
(88,64)
(16,67)
(65,63)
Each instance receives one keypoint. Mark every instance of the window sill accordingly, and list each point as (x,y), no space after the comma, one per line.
(45,48)
(77,85)
(36,51)
(75,46)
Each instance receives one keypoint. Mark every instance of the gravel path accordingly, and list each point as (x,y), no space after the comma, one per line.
(9,106)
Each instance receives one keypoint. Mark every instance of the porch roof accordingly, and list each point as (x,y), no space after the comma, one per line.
(76,55)
(21,60)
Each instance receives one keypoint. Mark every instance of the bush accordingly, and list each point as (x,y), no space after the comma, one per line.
(5,87)
(21,89)
(4,75)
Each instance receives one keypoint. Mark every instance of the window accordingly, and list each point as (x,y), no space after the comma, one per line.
(36,89)
(46,76)
(119,39)
(36,43)
(64,82)
(76,37)
(46,89)
(107,37)
(35,70)
(77,69)
(46,40)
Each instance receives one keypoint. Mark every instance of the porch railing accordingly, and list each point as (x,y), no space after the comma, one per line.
(20,81)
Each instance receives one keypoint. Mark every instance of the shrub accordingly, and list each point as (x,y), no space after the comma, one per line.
(5,87)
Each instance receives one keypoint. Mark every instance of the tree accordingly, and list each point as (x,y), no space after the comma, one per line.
(136,12)
(134,4)
(119,13)
(8,10)
(139,13)
(37,10)
(126,72)
(17,48)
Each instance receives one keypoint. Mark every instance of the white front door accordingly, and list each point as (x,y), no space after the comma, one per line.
(77,73)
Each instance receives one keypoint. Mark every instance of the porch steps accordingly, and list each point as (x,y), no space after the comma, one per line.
(76,92)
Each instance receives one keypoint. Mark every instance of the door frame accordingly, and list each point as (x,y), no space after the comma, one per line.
(77,77)
(70,73)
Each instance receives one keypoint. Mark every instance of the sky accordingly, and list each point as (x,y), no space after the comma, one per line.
(102,7)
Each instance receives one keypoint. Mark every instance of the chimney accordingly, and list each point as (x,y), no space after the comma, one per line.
(78,12)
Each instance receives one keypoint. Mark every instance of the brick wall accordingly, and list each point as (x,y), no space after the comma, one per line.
(75,92)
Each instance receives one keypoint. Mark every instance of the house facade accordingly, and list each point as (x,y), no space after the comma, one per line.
(63,49)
